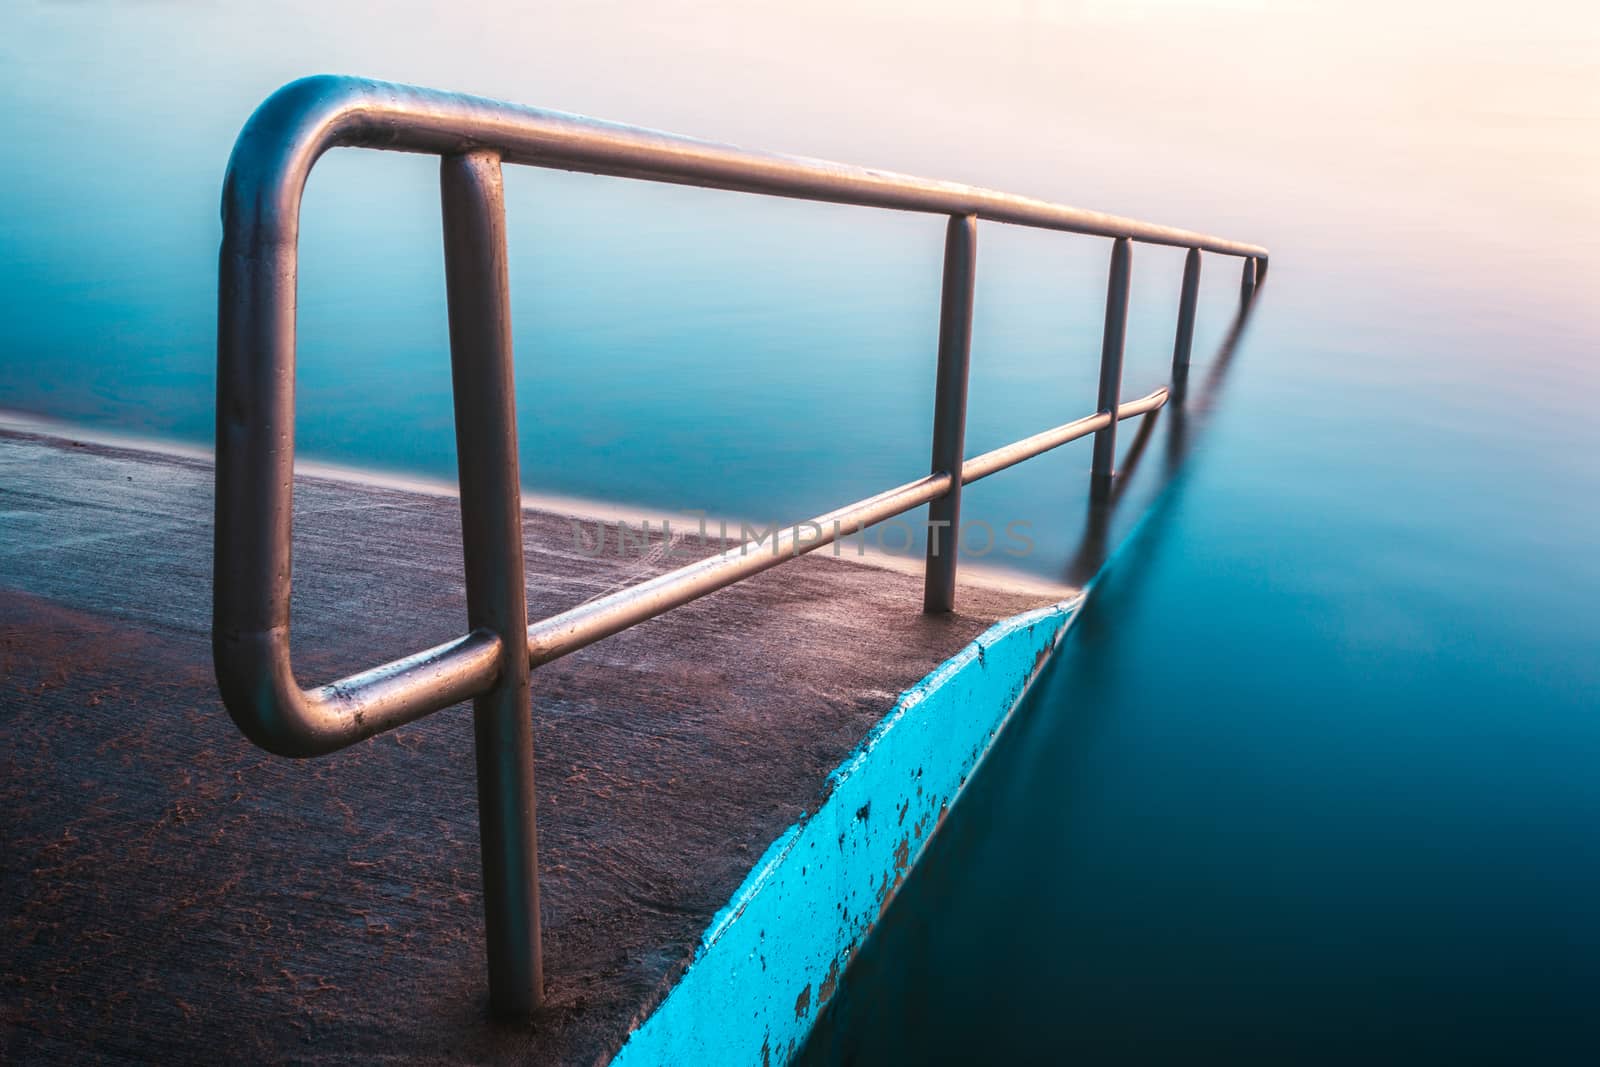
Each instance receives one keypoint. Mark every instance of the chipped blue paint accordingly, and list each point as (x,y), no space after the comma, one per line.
(772,958)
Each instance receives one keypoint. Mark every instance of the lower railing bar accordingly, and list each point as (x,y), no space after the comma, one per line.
(407,689)
(585,624)
(1012,454)
(359,705)
(1144,405)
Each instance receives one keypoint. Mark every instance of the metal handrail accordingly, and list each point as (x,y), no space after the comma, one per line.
(490,664)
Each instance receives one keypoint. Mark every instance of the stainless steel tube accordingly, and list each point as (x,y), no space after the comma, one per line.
(560,634)
(1188,301)
(491,535)
(1111,348)
(950,411)
(1010,455)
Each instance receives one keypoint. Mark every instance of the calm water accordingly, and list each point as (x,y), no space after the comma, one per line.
(1315,774)
(1313,779)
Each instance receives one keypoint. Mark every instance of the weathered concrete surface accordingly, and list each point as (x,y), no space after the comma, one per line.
(168,892)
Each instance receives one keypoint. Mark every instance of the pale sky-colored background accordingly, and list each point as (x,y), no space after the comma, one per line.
(1457,129)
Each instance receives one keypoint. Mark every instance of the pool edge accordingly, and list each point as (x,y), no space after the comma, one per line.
(771,959)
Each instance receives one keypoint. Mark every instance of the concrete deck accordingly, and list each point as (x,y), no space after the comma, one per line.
(171,893)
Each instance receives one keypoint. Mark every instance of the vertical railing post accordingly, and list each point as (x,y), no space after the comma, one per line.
(1111,346)
(950,410)
(491,533)
(1247,283)
(1188,300)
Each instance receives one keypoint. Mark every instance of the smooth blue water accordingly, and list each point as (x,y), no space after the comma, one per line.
(1314,776)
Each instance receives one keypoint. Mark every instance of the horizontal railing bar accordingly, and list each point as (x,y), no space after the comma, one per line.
(307,117)
(585,624)
(1012,454)
(1144,405)
(407,689)
(560,634)
(404,690)
(465,665)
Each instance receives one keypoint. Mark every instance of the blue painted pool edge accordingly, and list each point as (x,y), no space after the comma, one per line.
(772,958)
